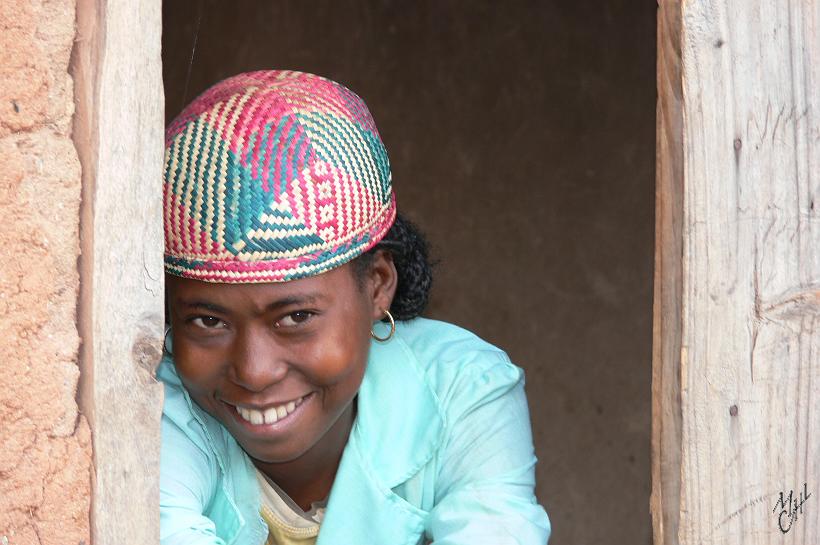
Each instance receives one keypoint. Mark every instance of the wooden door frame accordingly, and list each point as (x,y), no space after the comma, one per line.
(118,132)
(736,355)
(668,278)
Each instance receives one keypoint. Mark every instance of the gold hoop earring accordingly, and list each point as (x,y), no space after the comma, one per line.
(392,329)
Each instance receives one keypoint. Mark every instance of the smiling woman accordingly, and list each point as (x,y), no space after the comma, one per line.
(309,337)
(306,400)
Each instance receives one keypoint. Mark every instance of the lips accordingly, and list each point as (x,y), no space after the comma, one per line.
(269,415)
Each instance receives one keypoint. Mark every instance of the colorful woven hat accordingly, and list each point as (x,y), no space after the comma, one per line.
(272,176)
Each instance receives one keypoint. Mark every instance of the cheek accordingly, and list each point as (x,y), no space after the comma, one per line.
(198,369)
(340,360)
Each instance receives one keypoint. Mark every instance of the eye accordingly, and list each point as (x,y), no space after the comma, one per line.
(208,322)
(294,319)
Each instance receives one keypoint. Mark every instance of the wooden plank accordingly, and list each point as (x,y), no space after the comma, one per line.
(750,262)
(666,413)
(119,136)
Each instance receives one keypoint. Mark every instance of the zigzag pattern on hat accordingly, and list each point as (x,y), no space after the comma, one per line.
(272,176)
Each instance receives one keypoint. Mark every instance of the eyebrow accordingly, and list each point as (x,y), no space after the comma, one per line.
(291,300)
(203,305)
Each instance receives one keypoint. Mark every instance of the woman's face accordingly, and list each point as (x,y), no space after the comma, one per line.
(278,364)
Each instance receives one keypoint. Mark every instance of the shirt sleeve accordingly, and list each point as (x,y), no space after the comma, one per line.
(486,480)
(184,487)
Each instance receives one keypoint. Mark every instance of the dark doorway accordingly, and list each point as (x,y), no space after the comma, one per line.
(522,140)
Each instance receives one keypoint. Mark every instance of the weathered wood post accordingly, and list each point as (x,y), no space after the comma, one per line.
(736,370)
(118,132)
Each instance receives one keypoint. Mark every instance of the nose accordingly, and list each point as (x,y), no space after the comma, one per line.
(258,360)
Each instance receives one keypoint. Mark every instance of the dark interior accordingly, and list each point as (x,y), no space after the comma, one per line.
(522,141)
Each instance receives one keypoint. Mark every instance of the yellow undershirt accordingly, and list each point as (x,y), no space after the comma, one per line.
(287,523)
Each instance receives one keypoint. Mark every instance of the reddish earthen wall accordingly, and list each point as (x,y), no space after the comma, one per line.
(45,448)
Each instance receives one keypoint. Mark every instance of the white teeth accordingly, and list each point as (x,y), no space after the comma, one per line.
(268,416)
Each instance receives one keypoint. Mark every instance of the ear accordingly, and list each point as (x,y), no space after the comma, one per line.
(382,280)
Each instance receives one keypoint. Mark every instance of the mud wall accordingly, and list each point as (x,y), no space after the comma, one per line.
(521,136)
(45,453)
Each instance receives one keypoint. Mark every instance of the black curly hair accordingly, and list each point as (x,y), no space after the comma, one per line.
(415,272)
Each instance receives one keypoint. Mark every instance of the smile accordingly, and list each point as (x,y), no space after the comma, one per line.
(270,415)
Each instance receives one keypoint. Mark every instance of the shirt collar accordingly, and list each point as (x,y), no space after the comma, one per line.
(399,424)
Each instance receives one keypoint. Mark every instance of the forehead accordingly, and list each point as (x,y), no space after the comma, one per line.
(333,284)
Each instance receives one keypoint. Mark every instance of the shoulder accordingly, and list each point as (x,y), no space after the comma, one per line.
(457,364)
(178,413)
(190,434)
(433,339)
(183,435)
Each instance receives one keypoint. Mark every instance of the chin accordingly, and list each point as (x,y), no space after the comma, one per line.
(270,456)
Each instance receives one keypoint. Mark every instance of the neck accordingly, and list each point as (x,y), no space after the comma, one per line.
(309,478)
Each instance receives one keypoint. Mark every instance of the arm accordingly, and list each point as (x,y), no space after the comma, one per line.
(185,491)
(485,488)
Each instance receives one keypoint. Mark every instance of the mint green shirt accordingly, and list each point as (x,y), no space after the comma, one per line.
(440,451)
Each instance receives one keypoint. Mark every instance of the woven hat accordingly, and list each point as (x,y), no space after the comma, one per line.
(272,176)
